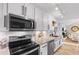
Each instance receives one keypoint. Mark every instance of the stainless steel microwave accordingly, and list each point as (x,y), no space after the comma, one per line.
(18,23)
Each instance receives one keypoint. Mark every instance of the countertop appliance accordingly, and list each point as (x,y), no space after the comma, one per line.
(18,23)
(23,46)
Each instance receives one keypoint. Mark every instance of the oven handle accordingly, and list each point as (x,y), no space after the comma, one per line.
(30,51)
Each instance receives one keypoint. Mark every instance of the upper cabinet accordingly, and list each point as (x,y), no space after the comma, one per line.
(29,11)
(39,19)
(2,13)
(42,20)
(16,8)
(45,21)
(23,9)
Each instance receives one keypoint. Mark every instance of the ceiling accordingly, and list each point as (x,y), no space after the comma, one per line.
(69,10)
(47,7)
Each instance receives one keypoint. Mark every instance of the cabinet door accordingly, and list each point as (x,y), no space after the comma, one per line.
(38,19)
(56,42)
(45,21)
(29,11)
(51,47)
(15,8)
(43,49)
(61,41)
(2,28)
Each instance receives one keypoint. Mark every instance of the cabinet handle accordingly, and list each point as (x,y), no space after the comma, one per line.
(44,46)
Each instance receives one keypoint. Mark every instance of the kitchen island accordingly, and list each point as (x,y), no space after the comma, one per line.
(49,44)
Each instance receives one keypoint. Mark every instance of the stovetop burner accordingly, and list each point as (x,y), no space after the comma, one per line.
(24,48)
(21,46)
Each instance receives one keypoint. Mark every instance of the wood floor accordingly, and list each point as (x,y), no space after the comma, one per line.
(69,48)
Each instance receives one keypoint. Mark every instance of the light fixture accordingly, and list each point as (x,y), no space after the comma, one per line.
(56,8)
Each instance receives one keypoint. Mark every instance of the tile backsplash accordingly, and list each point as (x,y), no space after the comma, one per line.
(18,33)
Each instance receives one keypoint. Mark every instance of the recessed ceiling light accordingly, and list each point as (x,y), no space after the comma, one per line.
(56,8)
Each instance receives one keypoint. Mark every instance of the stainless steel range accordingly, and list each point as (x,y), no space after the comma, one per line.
(23,46)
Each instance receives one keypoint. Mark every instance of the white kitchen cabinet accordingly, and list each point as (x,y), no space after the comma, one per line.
(38,19)
(51,47)
(29,13)
(45,21)
(61,40)
(2,12)
(56,43)
(1,15)
(16,8)
(43,49)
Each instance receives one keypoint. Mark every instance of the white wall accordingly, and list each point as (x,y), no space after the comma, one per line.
(69,21)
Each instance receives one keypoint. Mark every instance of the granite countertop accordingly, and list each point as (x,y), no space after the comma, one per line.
(4,51)
(46,39)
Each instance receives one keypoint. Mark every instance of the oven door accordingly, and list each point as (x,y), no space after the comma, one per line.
(34,51)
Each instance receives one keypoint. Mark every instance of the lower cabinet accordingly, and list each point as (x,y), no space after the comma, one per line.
(51,47)
(54,45)
(43,49)
(58,43)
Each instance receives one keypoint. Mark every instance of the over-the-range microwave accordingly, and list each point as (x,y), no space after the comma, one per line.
(18,23)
